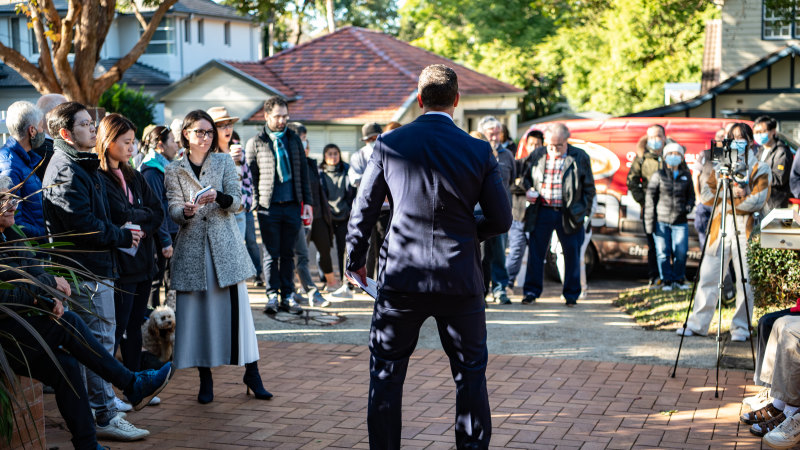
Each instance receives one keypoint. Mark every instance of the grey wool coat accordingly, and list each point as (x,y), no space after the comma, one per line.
(217,225)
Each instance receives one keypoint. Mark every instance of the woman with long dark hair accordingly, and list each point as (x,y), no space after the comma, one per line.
(210,262)
(340,199)
(132,204)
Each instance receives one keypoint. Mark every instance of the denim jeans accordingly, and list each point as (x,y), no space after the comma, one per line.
(517,243)
(98,310)
(547,220)
(702,216)
(494,264)
(279,226)
(301,252)
(672,243)
(75,347)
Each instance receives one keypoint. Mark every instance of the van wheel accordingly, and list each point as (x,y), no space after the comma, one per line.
(590,258)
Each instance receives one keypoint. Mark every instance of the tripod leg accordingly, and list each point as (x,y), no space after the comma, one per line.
(696,278)
(744,286)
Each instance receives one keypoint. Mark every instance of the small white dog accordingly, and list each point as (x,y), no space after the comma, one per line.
(158,333)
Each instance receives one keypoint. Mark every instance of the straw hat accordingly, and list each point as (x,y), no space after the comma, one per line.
(220,114)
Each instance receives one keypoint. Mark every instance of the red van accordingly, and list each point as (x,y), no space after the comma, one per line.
(618,235)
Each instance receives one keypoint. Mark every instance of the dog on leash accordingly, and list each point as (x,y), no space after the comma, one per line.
(158,333)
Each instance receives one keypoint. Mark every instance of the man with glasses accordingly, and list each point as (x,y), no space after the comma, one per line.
(277,161)
(560,190)
(76,205)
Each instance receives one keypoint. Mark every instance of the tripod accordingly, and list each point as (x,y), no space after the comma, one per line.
(723,186)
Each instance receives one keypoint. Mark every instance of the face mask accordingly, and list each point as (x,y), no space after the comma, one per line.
(740,145)
(762,138)
(655,144)
(673,160)
(37,140)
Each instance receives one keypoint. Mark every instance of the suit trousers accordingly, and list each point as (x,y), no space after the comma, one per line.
(547,221)
(396,321)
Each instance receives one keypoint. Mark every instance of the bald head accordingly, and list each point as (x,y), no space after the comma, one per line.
(49,101)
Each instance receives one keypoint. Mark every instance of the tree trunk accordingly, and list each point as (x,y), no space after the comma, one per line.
(329,14)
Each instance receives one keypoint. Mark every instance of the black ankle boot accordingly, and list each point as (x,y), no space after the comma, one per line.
(206,394)
(252,379)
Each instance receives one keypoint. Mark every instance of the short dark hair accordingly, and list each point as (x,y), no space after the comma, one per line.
(274,101)
(537,134)
(660,127)
(63,116)
(438,86)
(769,121)
(196,116)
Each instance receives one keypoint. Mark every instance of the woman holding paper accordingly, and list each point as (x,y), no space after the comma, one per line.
(132,205)
(210,263)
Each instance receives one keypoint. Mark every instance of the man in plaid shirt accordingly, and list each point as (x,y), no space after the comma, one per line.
(560,190)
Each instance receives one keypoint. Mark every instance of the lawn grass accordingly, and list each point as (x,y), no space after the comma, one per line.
(659,310)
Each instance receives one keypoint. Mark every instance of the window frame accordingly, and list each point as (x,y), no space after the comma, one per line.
(168,25)
(187,30)
(793,29)
(226,32)
(201,38)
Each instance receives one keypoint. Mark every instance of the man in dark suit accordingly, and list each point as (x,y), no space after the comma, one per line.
(433,174)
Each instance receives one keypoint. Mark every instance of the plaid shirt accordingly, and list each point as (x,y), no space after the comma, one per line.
(551,185)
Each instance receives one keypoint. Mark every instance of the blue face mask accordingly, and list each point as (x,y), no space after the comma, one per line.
(655,144)
(761,138)
(673,160)
(740,145)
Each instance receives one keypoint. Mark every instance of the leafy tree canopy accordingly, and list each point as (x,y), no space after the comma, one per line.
(135,105)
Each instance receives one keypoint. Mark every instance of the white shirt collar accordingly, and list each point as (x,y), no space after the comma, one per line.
(441,113)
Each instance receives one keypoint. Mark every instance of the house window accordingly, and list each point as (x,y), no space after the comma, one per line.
(227,30)
(14,24)
(777,23)
(187,31)
(200,37)
(34,44)
(163,41)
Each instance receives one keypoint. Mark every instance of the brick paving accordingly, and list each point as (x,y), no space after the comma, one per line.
(537,403)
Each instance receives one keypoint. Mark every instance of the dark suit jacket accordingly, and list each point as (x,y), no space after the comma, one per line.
(433,174)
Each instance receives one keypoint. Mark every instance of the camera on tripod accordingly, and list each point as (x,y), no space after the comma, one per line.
(722,156)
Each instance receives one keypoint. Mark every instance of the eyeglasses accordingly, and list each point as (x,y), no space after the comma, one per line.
(87,123)
(202,134)
(225,126)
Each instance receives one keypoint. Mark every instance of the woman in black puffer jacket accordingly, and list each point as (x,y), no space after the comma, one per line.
(669,199)
(131,202)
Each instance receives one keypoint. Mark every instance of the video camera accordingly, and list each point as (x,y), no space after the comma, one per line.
(722,156)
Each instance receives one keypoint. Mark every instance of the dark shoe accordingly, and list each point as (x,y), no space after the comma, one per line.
(252,379)
(528,300)
(147,384)
(761,428)
(318,300)
(206,394)
(272,305)
(764,414)
(572,304)
(258,283)
(503,299)
(290,305)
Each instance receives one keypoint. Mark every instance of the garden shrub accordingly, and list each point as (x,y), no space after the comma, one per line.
(774,275)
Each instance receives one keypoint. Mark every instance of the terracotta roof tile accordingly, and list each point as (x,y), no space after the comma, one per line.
(356,75)
(712,55)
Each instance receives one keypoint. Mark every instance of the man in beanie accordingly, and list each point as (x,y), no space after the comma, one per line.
(670,197)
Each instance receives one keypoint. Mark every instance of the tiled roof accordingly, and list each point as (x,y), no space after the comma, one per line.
(355,75)
(206,8)
(137,75)
(712,55)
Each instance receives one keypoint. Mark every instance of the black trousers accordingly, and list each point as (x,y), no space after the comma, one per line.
(130,302)
(72,344)
(396,321)
(340,234)
(321,237)
(375,242)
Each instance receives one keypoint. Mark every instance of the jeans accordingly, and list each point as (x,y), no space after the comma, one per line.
(702,216)
(97,309)
(130,307)
(672,242)
(279,225)
(252,244)
(301,251)
(517,243)
(547,220)
(75,347)
(494,264)
(396,321)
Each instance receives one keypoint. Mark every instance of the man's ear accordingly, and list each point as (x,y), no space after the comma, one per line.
(458,97)
(419,101)
(64,134)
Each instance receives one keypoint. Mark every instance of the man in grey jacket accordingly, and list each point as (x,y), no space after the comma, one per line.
(280,174)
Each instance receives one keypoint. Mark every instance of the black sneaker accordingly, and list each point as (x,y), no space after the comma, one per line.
(528,300)
(147,384)
(272,305)
(290,305)
(502,298)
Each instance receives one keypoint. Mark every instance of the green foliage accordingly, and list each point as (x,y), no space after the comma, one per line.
(774,275)
(135,105)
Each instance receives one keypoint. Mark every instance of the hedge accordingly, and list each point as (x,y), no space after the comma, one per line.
(774,275)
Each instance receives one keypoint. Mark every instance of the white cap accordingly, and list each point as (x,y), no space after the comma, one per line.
(674,147)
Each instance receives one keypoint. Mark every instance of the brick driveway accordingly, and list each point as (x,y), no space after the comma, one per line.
(321,393)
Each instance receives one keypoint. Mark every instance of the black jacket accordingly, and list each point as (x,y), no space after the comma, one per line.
(45,151)
(146,212)
(155,180)
(779,159)
(16,257)
(669,199)
(577,184)
(75,202)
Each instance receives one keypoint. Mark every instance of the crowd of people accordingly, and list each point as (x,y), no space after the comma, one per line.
(182,214)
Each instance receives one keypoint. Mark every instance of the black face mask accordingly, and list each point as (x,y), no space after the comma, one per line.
(37,139)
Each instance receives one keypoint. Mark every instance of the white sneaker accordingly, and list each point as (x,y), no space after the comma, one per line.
(684,332)
(758,401)
(343,292)
(154,401)
(119,429)
(739,336)
(786,435)
(121,405)
(666,287)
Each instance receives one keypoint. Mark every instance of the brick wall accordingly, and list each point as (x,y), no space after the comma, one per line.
(31,432)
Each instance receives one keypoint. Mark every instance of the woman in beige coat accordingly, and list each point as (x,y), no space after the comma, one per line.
(210,263)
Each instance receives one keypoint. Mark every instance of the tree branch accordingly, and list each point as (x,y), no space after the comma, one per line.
(62,67)
(138,14)
(45,57)
(28,70)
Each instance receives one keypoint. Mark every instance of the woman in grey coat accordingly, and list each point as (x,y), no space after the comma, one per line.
(210,263)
